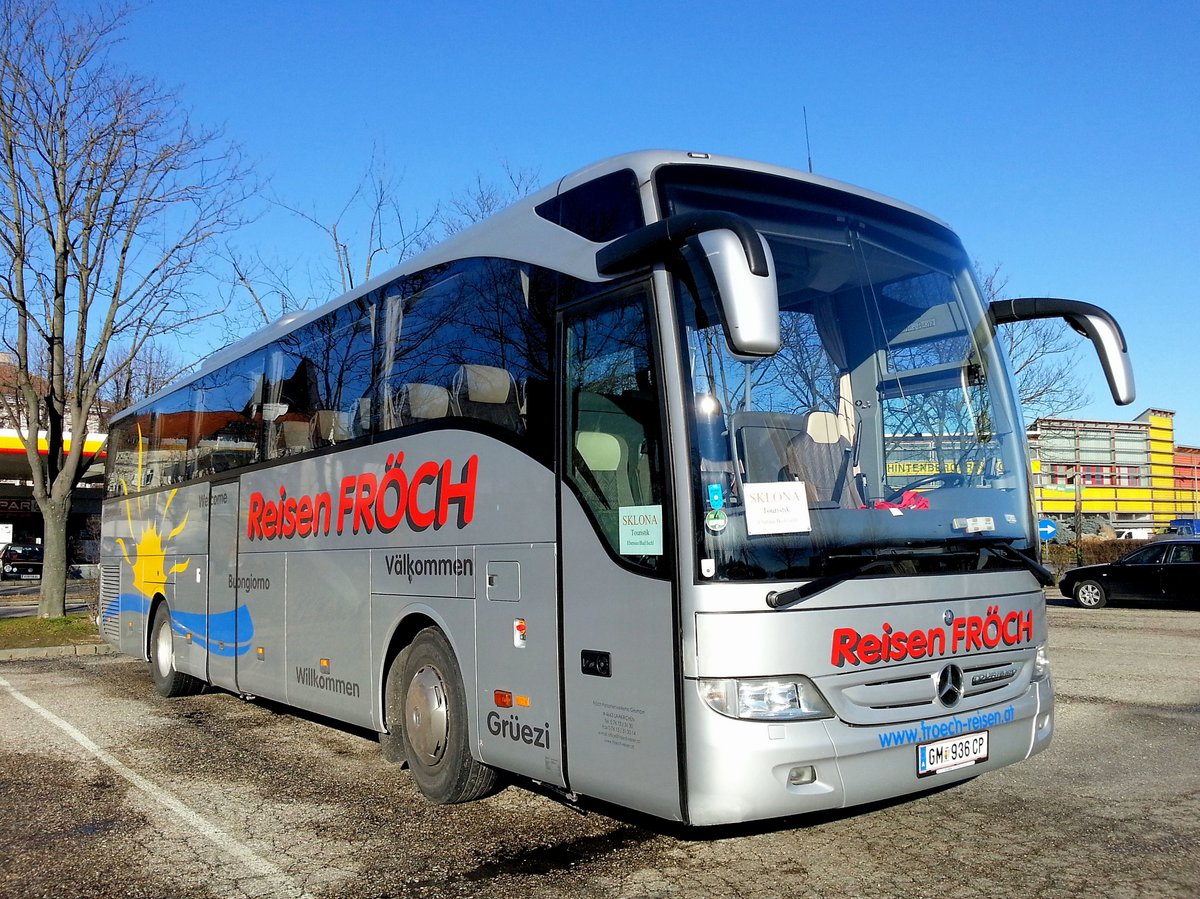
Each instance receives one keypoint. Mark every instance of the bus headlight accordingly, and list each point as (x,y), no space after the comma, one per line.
(1041,664)
(766,699)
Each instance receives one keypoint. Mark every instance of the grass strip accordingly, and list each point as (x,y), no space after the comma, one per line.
(22,633)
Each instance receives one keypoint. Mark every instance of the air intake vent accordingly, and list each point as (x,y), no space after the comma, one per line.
(110,592)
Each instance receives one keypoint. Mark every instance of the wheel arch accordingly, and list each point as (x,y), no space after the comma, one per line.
(148,632)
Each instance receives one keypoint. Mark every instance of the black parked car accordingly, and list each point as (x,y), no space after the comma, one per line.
(1164,570)
(21,560)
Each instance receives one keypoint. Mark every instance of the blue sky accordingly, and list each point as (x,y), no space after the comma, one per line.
(1062,141)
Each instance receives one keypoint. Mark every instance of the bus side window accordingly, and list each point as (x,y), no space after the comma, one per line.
(228,416)
(470,341)
(317,379)
(613,443)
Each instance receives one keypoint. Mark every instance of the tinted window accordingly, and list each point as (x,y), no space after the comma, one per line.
(318,382)
(153,449)
(470,341)
(229,420)
(1147,555)
(464,341)
(121,458)
(601,210)
(1186,552)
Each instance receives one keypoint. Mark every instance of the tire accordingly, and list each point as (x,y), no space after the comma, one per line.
(434,732)
(392,740)
(1090,595)
(167,679)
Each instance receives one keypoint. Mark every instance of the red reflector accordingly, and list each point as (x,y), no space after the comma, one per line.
(503,699)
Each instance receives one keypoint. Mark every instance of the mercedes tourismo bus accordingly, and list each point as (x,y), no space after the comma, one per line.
(693,485)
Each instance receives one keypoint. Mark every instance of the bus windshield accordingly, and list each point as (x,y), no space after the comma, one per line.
(884,426)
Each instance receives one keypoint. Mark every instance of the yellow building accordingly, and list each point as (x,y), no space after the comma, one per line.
(1119,471)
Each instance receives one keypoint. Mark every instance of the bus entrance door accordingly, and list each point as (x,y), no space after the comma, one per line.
(223,638)
(516,628)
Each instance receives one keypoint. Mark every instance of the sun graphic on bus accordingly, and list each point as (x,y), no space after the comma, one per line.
(146,552)
(149,551)
(150,543)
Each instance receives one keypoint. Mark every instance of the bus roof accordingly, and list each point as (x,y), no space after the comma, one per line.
(519,234)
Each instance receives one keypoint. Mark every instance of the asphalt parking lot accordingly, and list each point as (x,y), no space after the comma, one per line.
(108,790)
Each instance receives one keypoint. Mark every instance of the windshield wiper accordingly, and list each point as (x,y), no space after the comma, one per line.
(1006,550)
(777,599)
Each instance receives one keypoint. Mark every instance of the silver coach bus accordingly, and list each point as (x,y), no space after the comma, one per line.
(690,484)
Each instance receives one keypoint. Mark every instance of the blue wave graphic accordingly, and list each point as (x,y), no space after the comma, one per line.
(223,634)
(126,602)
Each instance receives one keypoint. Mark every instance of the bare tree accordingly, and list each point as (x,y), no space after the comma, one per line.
(148,372)
(110,198)
(485,198)
(1044,355)
(371,231)
(370,226)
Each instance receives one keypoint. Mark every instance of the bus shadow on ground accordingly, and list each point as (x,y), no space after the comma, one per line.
(678,831)
(636,827)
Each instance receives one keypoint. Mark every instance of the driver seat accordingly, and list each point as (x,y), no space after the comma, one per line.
(822,457)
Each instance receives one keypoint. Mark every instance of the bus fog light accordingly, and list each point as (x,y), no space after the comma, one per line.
(1041,664)
(765,699)
(802,775)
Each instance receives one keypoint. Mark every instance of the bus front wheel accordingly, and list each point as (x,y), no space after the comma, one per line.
(168,680)
(434,730)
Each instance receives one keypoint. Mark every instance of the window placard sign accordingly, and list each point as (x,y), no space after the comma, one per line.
(641,530)
(777,508)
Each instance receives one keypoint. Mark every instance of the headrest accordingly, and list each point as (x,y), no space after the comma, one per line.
(821,427)
(601,451)
(427,400)
(484,384)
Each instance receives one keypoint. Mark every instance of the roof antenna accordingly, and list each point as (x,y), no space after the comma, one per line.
(807,142)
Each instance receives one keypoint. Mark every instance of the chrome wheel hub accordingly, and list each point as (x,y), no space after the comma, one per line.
(427,722)
(164,650)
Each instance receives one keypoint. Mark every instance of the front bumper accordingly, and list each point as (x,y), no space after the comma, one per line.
(739,770)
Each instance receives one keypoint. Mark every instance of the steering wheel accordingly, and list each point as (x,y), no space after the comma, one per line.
(948,479)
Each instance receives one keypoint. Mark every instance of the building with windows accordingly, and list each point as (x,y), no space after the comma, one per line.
(1126,474)
(1187,481)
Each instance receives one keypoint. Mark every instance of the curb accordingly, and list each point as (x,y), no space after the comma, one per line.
(51,652)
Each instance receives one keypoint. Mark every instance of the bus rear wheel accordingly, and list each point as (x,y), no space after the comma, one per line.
(434,730)
(168,680)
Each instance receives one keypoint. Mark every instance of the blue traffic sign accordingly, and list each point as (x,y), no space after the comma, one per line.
(1047,529)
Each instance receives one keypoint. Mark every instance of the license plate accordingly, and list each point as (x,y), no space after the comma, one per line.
(955,752)
(30,577)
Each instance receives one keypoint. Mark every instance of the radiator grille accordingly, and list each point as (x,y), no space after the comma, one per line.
(909,691)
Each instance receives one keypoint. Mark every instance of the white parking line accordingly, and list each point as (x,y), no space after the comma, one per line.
(276,879)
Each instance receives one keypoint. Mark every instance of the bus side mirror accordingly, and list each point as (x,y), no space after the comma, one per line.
(1090,321)
(749,300)
(738,264)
